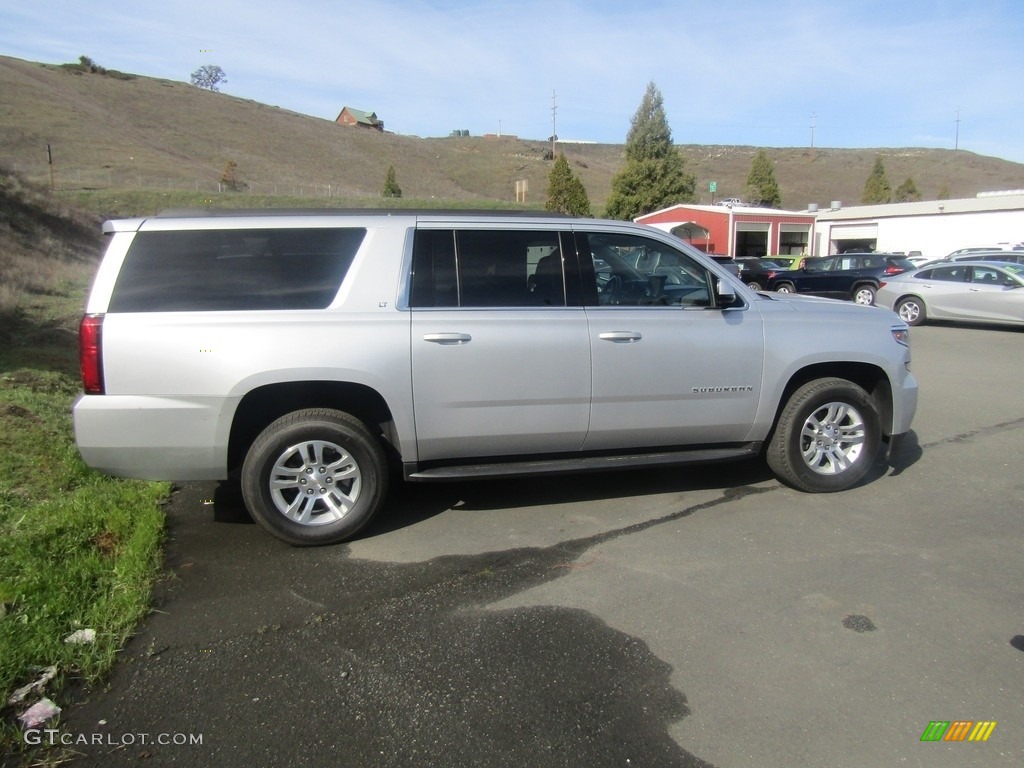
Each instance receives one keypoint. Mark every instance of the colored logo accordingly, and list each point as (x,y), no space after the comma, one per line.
(958,730)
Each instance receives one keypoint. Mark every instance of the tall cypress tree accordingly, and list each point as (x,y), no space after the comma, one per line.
(762,188)
(877,188)
(655,173)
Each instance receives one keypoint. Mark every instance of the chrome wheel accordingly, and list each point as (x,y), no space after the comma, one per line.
(315,476)
(831,438)
(784,288)
(827,436)
(315,482)
(911,311)
(865,295)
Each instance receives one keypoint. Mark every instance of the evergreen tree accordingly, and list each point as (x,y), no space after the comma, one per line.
(877,188)
(655,173)
(762,189)
(907,192)
(566,193)
(943,192)
(391,188)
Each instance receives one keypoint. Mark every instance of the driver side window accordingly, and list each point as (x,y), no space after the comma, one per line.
(634,271)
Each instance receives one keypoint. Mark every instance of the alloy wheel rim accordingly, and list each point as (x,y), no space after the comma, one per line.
(832,438)
(315,482)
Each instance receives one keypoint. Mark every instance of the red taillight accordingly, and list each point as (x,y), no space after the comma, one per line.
(90,353)
(881,283)
(892,269)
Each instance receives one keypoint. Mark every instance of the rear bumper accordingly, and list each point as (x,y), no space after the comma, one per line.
(153,438)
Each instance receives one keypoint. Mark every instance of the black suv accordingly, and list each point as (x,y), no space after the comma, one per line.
(842,276)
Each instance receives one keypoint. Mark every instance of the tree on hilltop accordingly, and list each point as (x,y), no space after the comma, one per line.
(655,173)
(209,76)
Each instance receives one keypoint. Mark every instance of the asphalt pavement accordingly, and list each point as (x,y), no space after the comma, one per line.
(703,616)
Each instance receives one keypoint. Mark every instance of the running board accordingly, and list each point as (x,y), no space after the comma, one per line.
(561,465)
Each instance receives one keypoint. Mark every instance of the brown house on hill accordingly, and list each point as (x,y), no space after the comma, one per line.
(351,116)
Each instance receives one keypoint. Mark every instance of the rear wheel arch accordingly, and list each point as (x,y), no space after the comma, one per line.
(263,405)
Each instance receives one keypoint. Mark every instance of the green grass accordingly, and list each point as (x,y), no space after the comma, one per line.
(77,549)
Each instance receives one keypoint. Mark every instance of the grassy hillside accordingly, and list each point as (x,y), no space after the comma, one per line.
(79,551)
(143,133)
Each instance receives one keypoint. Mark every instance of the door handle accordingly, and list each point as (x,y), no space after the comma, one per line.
(621,337)
(448,338)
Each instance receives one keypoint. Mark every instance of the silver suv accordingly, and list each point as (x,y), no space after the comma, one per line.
(310,354)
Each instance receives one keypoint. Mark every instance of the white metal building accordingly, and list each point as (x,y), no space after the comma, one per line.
(935,228)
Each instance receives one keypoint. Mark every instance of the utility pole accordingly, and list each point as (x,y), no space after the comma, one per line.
(49,161)
(554,131)
(814,116)
(956,145)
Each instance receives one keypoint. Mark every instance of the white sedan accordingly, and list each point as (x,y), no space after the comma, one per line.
(966,291)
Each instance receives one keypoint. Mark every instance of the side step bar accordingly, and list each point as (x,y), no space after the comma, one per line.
(563,464)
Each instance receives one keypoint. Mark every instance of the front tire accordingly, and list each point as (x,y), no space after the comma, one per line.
(755,286)
(315,476)
(827,437)
(784,288)
(911,310)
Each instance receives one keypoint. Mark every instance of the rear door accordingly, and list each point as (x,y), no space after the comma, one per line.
(669,367)
(501,365)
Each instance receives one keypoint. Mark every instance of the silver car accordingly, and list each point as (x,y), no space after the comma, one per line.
(316,357)
(966,291)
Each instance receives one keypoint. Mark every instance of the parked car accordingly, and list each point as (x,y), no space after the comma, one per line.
(757,272)
(986,249)
(967,291)
(1015,257)
(308,354)
(843,276)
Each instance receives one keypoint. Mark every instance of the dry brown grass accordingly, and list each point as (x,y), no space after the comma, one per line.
(161,134)
(45,245)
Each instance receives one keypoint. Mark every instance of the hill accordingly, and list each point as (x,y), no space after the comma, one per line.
(118,131)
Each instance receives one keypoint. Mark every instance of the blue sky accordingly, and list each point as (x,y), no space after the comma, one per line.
(872,74)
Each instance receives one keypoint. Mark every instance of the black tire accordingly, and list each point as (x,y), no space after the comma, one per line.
(784,288)
(911,310)
(827,437)
(864,294)
(755,286)
(332,477)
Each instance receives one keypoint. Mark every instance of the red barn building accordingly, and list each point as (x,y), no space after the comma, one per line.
(737,230)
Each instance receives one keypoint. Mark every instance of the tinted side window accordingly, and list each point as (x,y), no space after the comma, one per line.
(487,268)
(950,274)
(234,269)
(634,271)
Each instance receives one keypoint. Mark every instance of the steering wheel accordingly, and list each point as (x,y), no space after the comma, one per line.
(611,289)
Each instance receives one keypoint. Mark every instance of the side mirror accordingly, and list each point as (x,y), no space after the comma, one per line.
(725,296)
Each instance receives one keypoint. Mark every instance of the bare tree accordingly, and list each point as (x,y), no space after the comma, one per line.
(209,76)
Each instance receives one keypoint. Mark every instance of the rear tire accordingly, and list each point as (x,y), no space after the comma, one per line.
(827,437)
(315,476)
(864,295)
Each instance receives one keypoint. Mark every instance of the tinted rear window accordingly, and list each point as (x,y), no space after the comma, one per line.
(234,269)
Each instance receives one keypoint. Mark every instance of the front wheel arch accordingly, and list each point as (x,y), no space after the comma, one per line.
(911,310)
